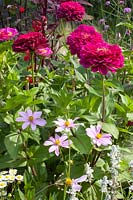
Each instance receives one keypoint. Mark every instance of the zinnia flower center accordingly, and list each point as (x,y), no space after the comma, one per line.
(43,50)
(99,135)
(67,123)
(57,142)
(68,181)
(31,118)
(10,33)
(103,49)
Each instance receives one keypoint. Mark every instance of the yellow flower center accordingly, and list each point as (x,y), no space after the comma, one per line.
(67,123)
(68,181)
(43,50)
(57,142)
(99,135)
(102,49)
(31,118)
(9,33)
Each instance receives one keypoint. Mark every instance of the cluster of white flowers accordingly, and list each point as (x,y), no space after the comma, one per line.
(89,172)
(109,186)
(115,160)
(7,177)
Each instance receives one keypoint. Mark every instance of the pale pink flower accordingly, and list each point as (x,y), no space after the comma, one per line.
(31,118)
(57,142)
(64,125)
(74,183)
(97,137)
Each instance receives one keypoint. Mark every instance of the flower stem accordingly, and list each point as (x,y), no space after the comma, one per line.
(103,100)
(65,189)
(32,63)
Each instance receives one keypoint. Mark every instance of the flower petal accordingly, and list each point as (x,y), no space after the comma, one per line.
(59,129)
(25,125)
(81,179)
(37,115)
(21,119)
(76,187)
(33,126)
(90,133)
(29,112)
(47,143)
(52,148)
(40,122)
(23,114)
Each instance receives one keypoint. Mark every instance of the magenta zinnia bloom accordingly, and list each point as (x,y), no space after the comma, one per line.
(81,36)
(101,57)
(71,11)
(31,119)
(45,52)
(8,33)
(65,125)
(57,142)
(97,137)
(29,41)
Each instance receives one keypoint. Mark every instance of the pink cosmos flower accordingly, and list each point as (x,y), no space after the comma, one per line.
(46,51)
(101,57)
(71,11)
(74,183)
(65,125)
(82,35)
(8,33)
(57,142)
(97,137)
(31,118)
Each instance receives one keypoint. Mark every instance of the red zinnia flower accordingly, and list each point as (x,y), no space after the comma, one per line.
(21,9)
(102,57)
(29,41)
(81,36)
(71,11)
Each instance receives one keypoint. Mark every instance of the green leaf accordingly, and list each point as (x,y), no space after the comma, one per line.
(92,90)
(13,144)
(82,144)
(111,128)
(130,116)
(21,194)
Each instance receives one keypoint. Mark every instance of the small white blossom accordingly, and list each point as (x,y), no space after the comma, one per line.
(3,184)
(131,188)
(131,164)
(13,171)
(89,172)
(104,184)
(19,178)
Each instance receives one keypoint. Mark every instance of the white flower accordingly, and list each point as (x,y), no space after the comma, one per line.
(131,188)
(4,172)
(104,184)
(131,164)
(89,172)
(3,184)
(13,171)
(19,178)
(1,177)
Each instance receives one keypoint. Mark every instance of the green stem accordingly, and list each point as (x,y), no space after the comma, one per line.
(103,100)
(65,189)
(32,64)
